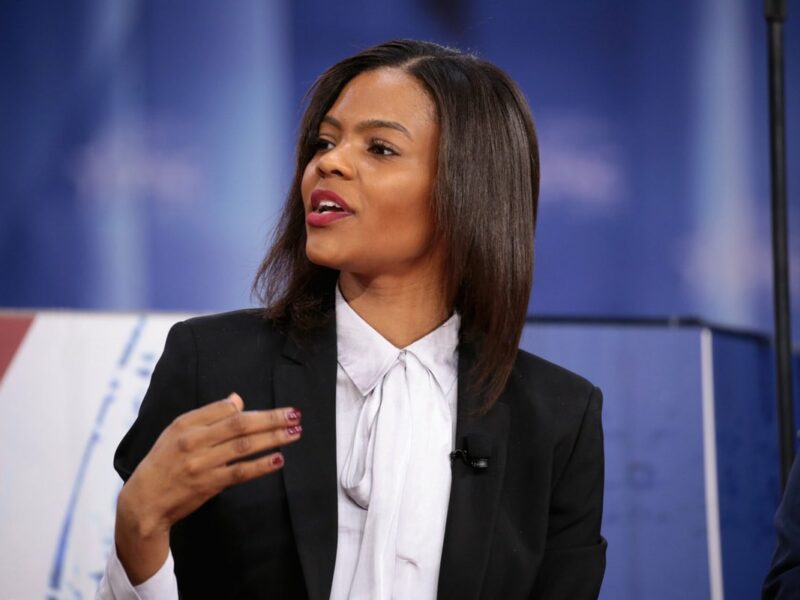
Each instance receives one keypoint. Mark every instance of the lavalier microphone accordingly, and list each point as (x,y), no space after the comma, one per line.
(476,452)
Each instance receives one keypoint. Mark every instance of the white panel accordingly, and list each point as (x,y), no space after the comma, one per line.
(71,393)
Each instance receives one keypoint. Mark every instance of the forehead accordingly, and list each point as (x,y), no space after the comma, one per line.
(386,93)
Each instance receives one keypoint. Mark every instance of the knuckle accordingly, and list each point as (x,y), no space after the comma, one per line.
(237,423)
(184,443)
(242,445)
(192,467)
(239,472)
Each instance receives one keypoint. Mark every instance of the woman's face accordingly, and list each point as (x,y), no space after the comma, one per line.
(367,190)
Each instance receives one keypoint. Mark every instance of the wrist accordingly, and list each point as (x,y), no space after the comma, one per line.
(141,540)
(136,517)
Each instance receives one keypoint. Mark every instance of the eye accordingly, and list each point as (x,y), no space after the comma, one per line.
(321,144)
(381,148)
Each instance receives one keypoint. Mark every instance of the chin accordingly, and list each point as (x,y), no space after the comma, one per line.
(320,256)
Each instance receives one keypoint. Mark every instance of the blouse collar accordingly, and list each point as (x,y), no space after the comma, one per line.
(366,356)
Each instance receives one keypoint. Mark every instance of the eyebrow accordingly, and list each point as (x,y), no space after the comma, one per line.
(370,124)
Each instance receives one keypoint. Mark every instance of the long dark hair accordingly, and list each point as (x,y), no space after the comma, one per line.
(485,198)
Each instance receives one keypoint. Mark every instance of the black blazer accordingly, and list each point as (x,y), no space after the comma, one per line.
(526,527)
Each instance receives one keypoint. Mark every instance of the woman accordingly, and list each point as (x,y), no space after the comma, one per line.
(396,291)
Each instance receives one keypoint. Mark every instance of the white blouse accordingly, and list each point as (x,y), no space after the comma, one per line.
(395,428)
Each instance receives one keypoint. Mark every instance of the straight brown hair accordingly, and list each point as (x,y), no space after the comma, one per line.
(485,200)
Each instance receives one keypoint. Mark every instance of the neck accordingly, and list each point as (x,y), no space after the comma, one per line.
(402,310)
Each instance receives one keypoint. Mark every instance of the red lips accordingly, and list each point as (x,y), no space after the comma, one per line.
(333,208)
(317,196)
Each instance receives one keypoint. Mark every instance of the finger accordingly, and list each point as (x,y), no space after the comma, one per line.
(247,470)
(251,421)
(211,413)
(247,445)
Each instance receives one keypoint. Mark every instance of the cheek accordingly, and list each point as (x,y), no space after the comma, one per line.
(308,181)
(406,216)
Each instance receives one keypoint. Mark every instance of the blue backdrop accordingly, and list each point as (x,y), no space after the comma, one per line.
(147,146)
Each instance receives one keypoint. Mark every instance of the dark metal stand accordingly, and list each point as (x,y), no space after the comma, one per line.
(775,12)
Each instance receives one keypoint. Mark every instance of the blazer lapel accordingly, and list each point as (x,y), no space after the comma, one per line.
(474,496)
(307,380)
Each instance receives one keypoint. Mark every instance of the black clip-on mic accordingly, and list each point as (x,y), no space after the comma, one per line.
(476,452)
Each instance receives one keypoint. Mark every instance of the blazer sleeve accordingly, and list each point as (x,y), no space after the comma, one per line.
(575,554)
(172,392)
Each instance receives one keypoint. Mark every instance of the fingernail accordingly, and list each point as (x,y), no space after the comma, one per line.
(277,460)
(294,430)
(294,415)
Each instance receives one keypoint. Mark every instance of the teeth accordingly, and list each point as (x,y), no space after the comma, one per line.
(328,205)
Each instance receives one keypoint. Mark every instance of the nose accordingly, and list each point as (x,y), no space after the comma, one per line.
(335,163)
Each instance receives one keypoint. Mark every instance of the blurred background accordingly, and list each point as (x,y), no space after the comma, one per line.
(147,146)
(145,151)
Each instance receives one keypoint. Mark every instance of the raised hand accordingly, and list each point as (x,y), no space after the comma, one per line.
(200,454)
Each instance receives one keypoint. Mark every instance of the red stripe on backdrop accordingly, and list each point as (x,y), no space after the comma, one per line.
(12,332)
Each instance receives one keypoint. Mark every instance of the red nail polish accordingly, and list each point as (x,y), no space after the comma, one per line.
(294,415)
(277,460)
(295,429)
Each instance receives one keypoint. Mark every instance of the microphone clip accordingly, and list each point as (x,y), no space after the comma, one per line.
(477,451)
(478,463)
